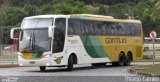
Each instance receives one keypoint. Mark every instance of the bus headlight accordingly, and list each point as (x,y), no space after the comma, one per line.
(20,64)
(46,55)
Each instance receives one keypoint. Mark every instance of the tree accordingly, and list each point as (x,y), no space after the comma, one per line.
(103,9)
(1,30)
(145,11)
(30,10)
(119,10)
(65,7)
(6,31)
(22,3)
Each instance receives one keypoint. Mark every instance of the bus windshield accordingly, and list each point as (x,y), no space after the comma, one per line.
(34,35)
(36,40)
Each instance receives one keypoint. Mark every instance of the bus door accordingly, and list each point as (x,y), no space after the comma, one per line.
(59,35)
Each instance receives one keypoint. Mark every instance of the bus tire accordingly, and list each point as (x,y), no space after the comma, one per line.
(70,63)
(42,68)
(122,59)
(128,60)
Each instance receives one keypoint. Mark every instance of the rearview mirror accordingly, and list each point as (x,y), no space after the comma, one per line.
(13,32)
(51,31)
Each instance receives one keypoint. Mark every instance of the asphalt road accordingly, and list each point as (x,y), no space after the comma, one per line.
(81,73)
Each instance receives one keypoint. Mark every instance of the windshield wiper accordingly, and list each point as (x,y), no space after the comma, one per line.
(32,38)
(29,44)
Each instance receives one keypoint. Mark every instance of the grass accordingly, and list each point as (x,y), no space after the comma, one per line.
(151,69)
(148,60)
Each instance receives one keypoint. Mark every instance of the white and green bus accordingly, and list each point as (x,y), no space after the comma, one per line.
(65,40)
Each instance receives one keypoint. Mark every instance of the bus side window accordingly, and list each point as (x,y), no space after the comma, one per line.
(114,29)
(103,28)
(97,27)
(74,27)
(128,29)
(123,29)
(108,28)
(87,27)
(70,28)
(137,29)
(82,27)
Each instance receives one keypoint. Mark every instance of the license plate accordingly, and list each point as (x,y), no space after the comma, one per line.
(32,62)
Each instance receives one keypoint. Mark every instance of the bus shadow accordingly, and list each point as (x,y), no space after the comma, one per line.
(79,68)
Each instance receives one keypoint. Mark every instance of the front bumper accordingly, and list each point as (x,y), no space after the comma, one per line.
(37,62)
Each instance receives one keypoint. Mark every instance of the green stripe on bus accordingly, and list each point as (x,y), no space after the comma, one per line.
(93,46)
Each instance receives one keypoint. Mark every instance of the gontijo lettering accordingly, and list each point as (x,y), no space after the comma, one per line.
(115,40)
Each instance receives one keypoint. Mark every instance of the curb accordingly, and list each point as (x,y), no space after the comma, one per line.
(136,70)
(8,65)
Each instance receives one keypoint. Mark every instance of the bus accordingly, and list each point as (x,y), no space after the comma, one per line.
(66,40)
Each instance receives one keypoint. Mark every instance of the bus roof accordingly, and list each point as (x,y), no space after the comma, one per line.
(102,18)
(48,16)
(87,17)
(91,15)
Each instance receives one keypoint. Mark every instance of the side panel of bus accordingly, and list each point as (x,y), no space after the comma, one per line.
(123,44)
(97,48)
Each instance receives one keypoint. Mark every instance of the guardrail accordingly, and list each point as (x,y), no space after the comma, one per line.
(8,54)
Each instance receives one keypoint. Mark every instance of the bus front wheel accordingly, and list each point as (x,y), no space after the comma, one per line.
(70,63)
(42,68)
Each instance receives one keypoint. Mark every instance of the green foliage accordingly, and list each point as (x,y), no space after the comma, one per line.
(11,16)
(65,7)
(121,10)
(6,32)
(141,10)
(22,3)
(103,9)
(30,10)
(14,15)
